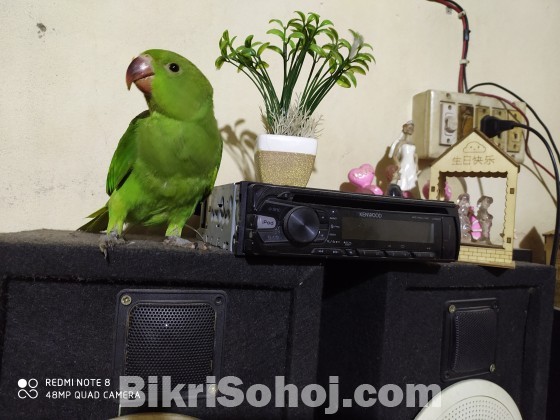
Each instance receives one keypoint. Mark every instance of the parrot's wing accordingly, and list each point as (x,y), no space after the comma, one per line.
(213,179)
(124,157)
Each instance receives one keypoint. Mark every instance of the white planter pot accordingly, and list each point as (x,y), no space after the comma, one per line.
(285,160)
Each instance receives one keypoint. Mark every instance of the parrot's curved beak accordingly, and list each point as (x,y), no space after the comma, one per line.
(140,72)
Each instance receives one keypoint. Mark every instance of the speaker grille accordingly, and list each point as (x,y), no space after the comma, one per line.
(473,399)
(479,408)
(174,340)
(474,340)
(469,338)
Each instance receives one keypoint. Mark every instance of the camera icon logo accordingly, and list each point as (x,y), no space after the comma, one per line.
(27,388)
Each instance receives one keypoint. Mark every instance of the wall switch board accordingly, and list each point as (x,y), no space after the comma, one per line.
(443,118)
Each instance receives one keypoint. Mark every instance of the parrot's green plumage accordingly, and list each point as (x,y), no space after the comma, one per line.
(168,158)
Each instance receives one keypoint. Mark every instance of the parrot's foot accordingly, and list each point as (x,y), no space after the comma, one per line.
(180,242)
(184,243)
(108,241)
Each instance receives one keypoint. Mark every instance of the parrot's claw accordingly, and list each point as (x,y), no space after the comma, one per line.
(184,243)
(108,241)
(180,242)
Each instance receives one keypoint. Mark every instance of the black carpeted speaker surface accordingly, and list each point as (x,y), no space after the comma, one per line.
(388,326)
(58,311)
(366,322)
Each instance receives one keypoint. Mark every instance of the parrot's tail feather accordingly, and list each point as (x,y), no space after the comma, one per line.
(97,213)
(99,221)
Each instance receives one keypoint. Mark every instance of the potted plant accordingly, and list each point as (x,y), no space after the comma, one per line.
(313,57)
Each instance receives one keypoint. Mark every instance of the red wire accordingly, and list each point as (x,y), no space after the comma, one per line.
(460,87)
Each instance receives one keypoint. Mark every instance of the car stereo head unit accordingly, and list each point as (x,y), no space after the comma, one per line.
(251,218)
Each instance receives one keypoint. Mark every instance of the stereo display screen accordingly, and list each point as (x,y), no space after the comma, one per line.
(386,230)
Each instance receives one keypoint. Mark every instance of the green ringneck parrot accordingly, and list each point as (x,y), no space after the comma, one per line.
(167,160)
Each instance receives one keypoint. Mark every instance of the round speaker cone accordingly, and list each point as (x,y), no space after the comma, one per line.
(471,399)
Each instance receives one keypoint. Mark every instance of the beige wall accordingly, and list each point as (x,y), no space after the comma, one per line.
(64,104)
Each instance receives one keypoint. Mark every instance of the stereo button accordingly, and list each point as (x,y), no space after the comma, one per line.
(398,254)
(273,208)
(424,254)
(371,252)
(269,236)
(266,222)
(323,218)
(322,235)
(328,251)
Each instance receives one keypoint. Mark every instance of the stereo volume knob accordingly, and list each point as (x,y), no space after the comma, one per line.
(301,225)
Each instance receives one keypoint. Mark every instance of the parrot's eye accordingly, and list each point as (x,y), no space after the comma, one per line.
(174,67)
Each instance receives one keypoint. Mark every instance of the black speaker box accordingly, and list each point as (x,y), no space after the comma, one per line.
(399,324)
(70,321)
(553,408)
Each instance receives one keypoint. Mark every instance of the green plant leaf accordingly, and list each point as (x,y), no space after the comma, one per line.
(344,82)
(278,33)
(350,75)
(223,46)
(335,34)
(333,65)
(326,22)
(262,48)
(345,44)
(248,41)
(328,32)
(298,27)
(247,52)
(313,17)
(362,63)
(338,57)
(262,65)
(329,47)
(297,35)
(301,15)
(321,30)
(318,50)
(357,69)
(275,49)
(278,21)
(220,62)
(364,56)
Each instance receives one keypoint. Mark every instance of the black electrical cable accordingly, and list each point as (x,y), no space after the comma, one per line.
(528,107)
(557,181)
(551,141)
(492,126)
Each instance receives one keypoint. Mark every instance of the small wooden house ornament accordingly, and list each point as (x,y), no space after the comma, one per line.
(477,156)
